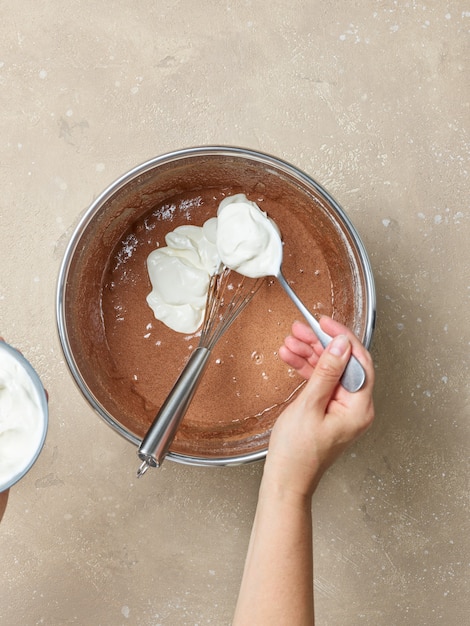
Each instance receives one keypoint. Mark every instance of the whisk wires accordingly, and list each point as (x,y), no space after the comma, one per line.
(228,295)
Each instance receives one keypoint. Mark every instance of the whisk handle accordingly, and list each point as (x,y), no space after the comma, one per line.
(157,441)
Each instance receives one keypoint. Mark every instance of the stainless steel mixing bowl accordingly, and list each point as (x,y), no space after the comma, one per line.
(136,194)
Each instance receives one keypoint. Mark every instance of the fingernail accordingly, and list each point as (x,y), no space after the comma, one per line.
(339,345)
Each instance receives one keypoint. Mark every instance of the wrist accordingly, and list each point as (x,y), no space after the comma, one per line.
(288,482)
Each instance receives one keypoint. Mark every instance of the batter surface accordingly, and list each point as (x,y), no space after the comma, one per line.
(245,385)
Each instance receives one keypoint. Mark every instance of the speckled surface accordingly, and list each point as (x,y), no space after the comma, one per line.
(372,100)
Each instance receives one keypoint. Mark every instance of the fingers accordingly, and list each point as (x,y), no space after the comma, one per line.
(304,333)
(327,373)
(300,364)
(299,355)
(301,349)
(298,347)
(333,328)
(359,406)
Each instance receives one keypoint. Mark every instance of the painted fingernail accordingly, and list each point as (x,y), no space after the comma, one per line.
(339,345)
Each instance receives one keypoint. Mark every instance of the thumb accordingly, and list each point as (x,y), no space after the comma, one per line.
(328,371)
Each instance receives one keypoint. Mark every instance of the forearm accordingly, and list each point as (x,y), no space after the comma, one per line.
(277,584)
(311,432)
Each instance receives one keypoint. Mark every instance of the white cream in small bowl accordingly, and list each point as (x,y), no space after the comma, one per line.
(23,416)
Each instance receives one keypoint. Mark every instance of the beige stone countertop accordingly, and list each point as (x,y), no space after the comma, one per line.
(371,99)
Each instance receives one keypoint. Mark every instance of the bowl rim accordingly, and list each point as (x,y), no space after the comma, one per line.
(139,170)
(44,406)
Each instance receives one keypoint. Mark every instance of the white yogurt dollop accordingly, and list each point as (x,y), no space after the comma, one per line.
(21,418)
(247,240)
(180,274)
(242,237)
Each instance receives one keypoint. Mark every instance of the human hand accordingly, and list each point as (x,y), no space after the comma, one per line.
(3,502)
(302,349)
(324,419)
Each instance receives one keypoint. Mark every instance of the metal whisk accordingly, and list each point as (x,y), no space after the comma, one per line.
(227,296)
